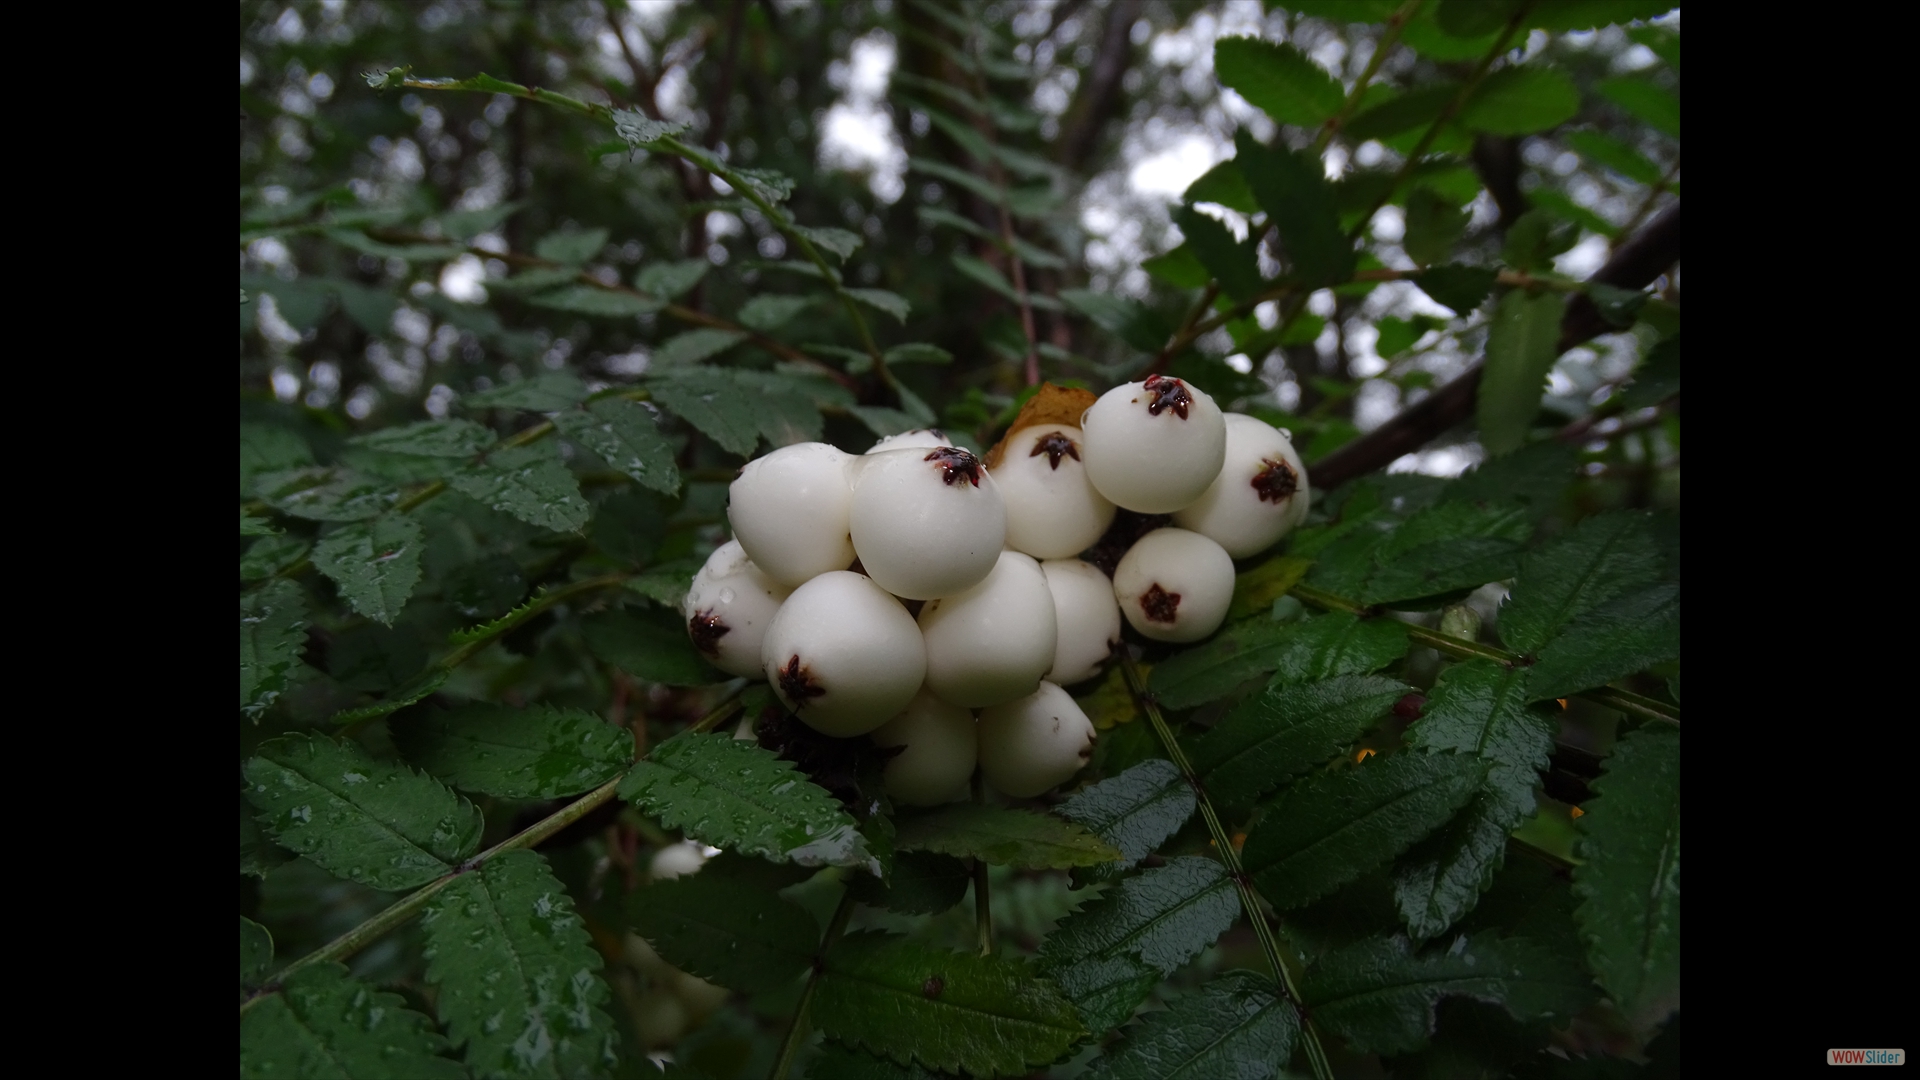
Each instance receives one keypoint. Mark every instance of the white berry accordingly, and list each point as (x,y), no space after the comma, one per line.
(1174,585)
(789,511)
(1259,496)
(993,642)
(1053,511)
(1034,743)
(927,523)
(677,860)
(1154,446)
(927,438)
(1086,618)
(942,748)
(728,609)
(843,655)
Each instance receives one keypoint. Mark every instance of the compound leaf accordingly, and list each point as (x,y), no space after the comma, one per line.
(1629,884)
(542,752)
(376,564)
(732,794)
(1288,730)
(911,1002)
(518,976)
(375,822)
(1233,1026)
(326,1023)
(1003,836)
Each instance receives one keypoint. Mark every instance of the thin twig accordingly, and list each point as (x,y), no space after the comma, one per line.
(982,894)
(1230,857)
(798,1030)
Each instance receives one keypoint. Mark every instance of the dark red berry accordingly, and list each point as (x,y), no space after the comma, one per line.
(797,685)
(1410,707)
(706,630)
(1055,446)
(1168,394)
(933,987)
(956,463)
(1276,481)
(1159,604)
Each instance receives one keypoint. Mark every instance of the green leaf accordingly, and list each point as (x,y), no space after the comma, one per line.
(1135,811)
(529,482)
(671,279)
(416,689)
(1607,151)
(1129,320)
(1657,378)
(1521,346)
(253,526)
(837,1062)
(1600,558)
(695,346)
(1379,995)
(467,224)
(589,300)
(735,411)
(571,246)
(839,241)
(1338,643)
(641,131)
(1629,883)
(1564,208)
(430,438)
(1461,288)
(626,436)
(273,634)
(375,822)
(1180,268)
(652,645)
(909,1002)
(735,795)
(376,564)
(1534,239)
(258,855)
(881,300)
(914,352)
(1234,1025)
(326,1023)
(1521,100)
(1003,836)
(1434,225)
(256,952)
(1223,184)
(1292,188)
(1107,990)
(534,280)
(1414,110)
(1215,669)
(769,311)
(1279,80)
(1658,107)
(1332,827)
(1480,708)
(667,583)
(546,392)
(1472,18)
(1441,878)
(922,883)
(326,494)
(1255,590)
(1288,730)
(518,977)
(725,930)
(1593,14)
(358,241)
(984,273)
(1533,477)
(1165,916)
(542,752)
(1627,634)
(1232,262)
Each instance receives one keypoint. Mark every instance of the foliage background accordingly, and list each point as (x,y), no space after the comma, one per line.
(1013,175)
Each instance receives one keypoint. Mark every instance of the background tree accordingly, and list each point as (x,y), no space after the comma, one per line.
(523,284)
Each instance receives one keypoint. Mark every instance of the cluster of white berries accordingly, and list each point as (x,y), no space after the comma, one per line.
(831,550)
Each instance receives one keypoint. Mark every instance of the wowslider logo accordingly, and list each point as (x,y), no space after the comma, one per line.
(1866,1057)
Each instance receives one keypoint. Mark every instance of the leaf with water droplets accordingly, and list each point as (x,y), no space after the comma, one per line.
(1235,1026)
(529,482)
(732,794)
(1003,836)
(727,928)
(256,952)
(273,633)
(1165,916)
(1135,812)
(912,1002)
(430,438)
(375,822)
(1288,730)
(376,564)
(326,1023)
(625,434)
(518,976)
(326,494)
(543,752)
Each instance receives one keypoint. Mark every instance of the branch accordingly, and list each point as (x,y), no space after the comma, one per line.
(1230,856)
(1637,261)
(1103,84)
